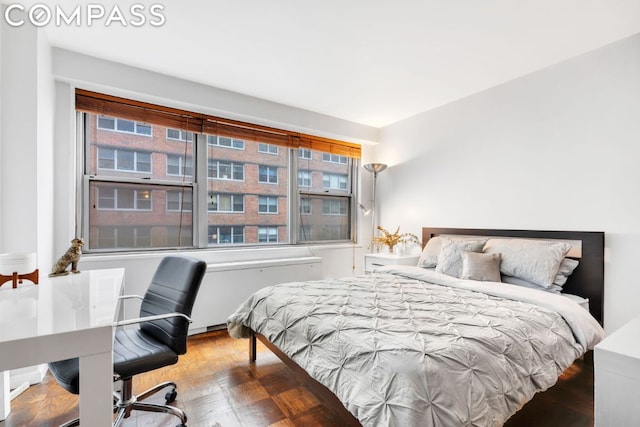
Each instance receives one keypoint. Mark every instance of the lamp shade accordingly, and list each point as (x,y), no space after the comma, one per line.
(375,167)
(21,263)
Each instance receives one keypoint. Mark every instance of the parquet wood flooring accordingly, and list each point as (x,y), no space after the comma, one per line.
(217,386)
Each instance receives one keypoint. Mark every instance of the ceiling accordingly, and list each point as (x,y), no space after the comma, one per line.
(369,61)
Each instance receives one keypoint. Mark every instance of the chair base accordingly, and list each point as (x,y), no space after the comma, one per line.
(125,402)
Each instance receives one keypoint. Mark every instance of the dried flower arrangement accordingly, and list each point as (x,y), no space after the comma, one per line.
(391,240)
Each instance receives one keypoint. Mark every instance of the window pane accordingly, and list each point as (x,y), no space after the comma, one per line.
(124,148)
(239,170)
(328,219)
(131,216)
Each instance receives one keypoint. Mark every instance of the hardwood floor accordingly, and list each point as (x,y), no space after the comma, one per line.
(218,387)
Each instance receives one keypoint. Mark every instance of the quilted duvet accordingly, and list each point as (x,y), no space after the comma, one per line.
(410,347)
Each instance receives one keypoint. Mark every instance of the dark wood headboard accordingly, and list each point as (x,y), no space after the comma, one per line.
(587,279)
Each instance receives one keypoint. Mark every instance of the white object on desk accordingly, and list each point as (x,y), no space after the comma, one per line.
(65,317)
(373,261)
(617,377)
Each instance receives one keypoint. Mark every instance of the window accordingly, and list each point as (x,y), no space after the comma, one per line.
(220,141)
(226,202)
(267,148)
(124,160)
(144,192)
(225,234)
(177,165)
(123,199)
(304,178)
(334,158)
(219,169)
(305,206)
(334,181)
(124,237)
(267,204)
(122,125)
(179,135)
(304,153)
(267,234)
(268,174)
(178,200)
(334,207)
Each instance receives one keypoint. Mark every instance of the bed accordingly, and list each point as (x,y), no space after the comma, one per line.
(420,346)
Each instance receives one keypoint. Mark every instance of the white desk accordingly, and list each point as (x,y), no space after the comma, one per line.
(65,317)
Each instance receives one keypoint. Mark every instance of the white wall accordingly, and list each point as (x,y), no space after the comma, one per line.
(26,169)
(557,149)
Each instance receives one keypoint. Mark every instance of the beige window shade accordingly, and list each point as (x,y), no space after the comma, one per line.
(97,103)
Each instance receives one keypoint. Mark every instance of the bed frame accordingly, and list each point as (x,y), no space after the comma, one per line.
(587,281)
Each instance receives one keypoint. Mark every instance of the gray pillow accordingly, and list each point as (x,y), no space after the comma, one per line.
(450,257)
(533,260)
(429,256)
(479,266)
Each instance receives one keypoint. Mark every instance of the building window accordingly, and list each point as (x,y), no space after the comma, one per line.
(268,204)
(124,126)
(334,207)
(304,153)
(177,165)
(334,181)
(179,135)
(268,174)
(305,206)
(219,235)
(221,141)
(124,160)
(267,234)
(304,178)
(226,202)
(179,201)
(267,148)
(219,169)
(124,199)
(133,237)
(334,158)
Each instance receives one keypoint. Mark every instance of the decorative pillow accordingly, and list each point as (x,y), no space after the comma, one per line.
(450,257)
(555,289)
(479,266)
(566,268)
(429,256)
(532,260)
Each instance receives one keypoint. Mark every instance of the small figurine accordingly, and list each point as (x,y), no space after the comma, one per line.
(72,256)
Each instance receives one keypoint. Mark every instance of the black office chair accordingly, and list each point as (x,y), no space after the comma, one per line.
(162,336)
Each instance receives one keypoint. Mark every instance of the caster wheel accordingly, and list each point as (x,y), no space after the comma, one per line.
(171,396)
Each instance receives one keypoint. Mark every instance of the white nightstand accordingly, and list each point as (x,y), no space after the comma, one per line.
(373,261)
(617,377)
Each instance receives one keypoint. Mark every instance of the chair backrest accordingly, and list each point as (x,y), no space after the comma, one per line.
(173,288)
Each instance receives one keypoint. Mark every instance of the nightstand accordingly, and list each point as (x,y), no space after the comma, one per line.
(373,261)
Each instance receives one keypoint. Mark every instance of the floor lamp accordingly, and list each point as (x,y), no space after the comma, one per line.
(374,168)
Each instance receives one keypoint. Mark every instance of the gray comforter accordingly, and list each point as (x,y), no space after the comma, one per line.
(410,347)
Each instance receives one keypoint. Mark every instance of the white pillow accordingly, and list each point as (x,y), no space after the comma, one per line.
(429,256)
(532,260)
(554,289)
(566,268)
(450,257)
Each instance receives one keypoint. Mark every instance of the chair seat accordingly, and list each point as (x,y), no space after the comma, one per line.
(134,352)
